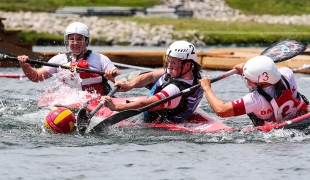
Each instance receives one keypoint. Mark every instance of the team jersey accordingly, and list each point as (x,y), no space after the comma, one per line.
(177,110)
(167,91)
(95,60)
(257,104)
(90,82)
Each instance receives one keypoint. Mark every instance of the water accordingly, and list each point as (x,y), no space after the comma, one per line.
(28,152)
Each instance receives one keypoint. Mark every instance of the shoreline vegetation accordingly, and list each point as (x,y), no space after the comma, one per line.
(207,31)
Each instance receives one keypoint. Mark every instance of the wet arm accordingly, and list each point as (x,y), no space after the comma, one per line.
(35,75)
(145,79)
(221,108)
(133,105)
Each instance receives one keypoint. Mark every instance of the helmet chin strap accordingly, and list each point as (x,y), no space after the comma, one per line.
(251,88)
(182,67)
(257,84)
(81,54)
(85,44)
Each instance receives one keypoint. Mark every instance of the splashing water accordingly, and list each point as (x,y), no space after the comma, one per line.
(69,78)
(67,91)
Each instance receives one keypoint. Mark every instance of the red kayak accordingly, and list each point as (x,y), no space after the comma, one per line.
(300,122)
(12,75)
(200,121)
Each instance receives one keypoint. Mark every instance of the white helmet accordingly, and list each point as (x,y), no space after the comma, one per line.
(261,69)
(77,28)
(182,50)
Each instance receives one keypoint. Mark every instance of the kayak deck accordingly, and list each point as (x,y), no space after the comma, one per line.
(198,122)
(300,122)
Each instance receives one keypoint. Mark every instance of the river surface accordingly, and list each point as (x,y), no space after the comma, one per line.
(27,151)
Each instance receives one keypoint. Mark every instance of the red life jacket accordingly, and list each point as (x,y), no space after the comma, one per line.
(284,107)
(287,107)
(91,82)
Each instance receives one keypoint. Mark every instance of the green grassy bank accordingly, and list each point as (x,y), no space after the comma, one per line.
(272,7)
(52,5)
(212,32)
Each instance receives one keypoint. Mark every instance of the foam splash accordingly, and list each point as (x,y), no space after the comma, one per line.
(69,78)
(67,91)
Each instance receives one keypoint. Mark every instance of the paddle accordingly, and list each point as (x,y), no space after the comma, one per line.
(306,66)
(279,51)
(133,67)
(83,116)
(299,122)
(4,57)
(149,86)
(13,75)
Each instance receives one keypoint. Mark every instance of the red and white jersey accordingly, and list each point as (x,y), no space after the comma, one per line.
(257,104)
(83,80)
(95,61)
(170,90)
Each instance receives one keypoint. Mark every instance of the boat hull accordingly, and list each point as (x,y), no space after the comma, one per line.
(199,121)
(300,122)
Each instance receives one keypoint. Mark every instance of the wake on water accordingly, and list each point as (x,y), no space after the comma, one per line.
(21,115)
(31,122)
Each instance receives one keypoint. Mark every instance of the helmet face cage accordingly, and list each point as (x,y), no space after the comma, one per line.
(77,28)
(84,41)
(166,62)
(250,88)
(182,50)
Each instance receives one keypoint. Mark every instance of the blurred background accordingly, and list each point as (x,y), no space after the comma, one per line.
(203,22)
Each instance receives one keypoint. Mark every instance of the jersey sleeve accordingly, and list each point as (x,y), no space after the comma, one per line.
(106,63)
(238,106)
(252,102)
(169,90)
(58,59)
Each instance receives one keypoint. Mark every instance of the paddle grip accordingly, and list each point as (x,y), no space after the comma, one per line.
(93,112)
(224,75)
(113,91)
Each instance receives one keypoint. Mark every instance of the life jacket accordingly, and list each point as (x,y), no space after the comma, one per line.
(91,82)
(284,107)
(186,107)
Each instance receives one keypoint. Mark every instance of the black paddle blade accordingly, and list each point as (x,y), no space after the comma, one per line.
(283,50)
(116,118)
(82,120)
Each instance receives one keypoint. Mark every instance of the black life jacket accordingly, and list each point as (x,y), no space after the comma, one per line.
(168,114)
